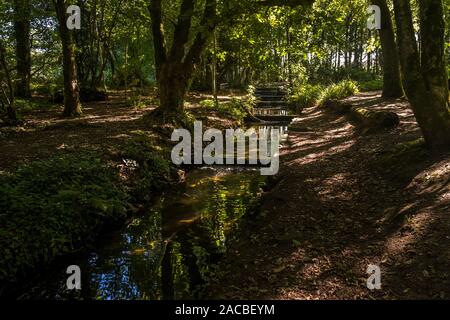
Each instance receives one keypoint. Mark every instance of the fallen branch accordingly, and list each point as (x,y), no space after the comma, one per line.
(372,120)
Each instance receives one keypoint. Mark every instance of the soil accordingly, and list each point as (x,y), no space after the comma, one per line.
(104,126)
(344,201)
(341,202)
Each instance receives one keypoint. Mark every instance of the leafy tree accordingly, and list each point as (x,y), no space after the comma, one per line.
(176,61)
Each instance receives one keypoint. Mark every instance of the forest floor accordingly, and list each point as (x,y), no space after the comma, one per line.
(104,126)
(343,201)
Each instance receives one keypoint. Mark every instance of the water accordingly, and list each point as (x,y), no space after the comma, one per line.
(172,250)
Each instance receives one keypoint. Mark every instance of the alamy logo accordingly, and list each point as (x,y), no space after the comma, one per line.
(374,280)
(74,20)
(74,280)
(374,20)
(263,147)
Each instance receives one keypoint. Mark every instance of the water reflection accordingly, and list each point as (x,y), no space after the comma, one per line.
(171,251)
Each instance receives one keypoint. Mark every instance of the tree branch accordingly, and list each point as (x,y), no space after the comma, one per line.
(182,28)
(207,26)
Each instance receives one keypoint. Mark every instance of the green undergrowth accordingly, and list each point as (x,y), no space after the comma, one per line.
(341,90)
(52,207)
(371,85)
(25,105)
(311,95)
(306,96)
(58,206)
(236,109)
(150,169)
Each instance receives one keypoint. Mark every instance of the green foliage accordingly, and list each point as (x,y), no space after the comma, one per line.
(152,170)
(339,91)
(52,207)
(306,96)
(29,105)
(236,108)
(372,85)
(208,103)
(355,74)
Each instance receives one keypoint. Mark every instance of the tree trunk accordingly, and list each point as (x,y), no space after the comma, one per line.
(175,67)
(214,68)
(8,96)
(424,85)
(23,47)
(432,26)
(173,85)
(392,87)
(72,105)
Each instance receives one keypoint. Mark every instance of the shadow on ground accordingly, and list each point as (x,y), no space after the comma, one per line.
(343,203)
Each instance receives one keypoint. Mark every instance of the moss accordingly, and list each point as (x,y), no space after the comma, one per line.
(53,207)
(151,169)
(58,206)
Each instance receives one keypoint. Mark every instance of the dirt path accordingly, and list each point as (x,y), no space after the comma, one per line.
(338,208)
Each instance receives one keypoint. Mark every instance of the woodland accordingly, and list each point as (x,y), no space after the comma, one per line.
(359,95)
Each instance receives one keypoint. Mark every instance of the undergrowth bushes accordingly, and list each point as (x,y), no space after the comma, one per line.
(306,96)
(372,85)
(310,95)
(151,171)
(52,207)
(341,90)
(235,109)
(57,206)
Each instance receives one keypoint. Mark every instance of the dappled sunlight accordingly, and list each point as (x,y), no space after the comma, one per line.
(316,156)
(201,149)
(336,187)
(341,215)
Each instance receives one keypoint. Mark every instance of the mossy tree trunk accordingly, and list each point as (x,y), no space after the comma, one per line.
(424,77)
(392,82)
(8,95)
(175,67)
(72,105)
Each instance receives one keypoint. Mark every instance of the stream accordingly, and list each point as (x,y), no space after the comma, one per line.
(171,251)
